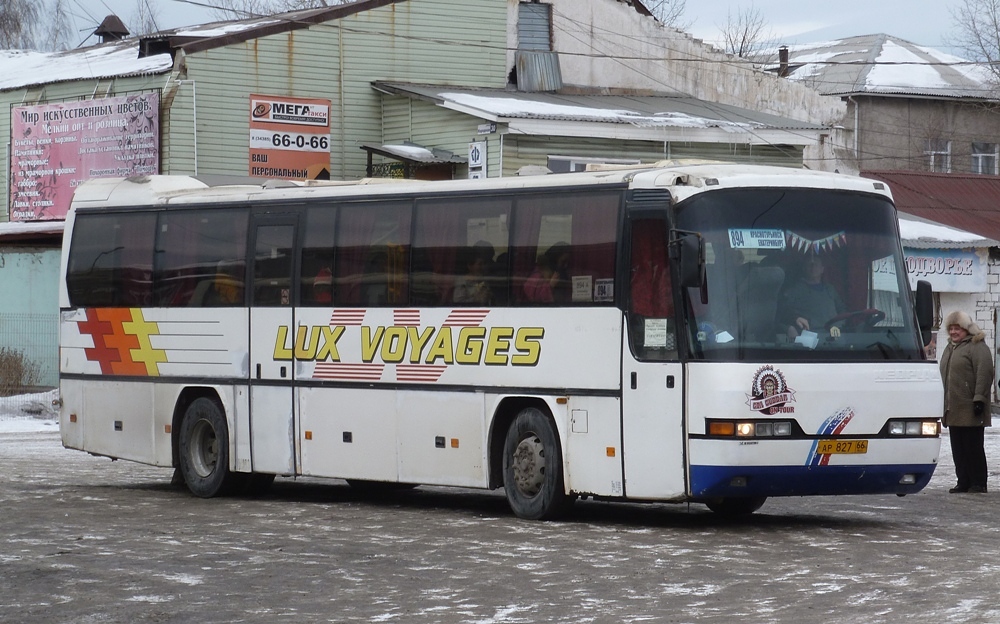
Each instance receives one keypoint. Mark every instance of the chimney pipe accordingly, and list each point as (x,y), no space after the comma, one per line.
(783,62)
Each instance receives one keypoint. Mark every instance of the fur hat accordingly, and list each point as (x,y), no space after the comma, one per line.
(323,278)
(964,321)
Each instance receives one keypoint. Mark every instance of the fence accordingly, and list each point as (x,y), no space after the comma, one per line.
(29,353)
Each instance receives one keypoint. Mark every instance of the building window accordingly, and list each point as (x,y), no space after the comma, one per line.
(938,152)
(985,158)
(566,164)
(534,27)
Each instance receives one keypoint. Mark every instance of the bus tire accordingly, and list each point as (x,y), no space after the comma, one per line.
(735,507)
(532,468)
(204,450)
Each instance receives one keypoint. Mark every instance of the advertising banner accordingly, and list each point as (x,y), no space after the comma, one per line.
(289,138)
(55,147)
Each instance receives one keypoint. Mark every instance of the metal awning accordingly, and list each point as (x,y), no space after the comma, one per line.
(411,156)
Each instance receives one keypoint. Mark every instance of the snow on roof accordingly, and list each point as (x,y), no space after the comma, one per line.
(917,232)
(221,29)
(16,228)
(909,68)
(883,64)
(899,67)
(523,106)
(20,68)
(413,152)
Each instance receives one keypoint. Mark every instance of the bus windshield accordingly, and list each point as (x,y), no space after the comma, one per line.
(798,274)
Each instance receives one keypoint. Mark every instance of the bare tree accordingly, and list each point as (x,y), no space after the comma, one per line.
(144,18)
(669,12)
(242,9)
(745,34)
(18,24)
(59,29)
(978,33)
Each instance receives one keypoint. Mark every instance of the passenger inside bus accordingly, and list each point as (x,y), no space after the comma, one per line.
(472,286)
(550,282)
(809,303)
(227,285)
(323,286)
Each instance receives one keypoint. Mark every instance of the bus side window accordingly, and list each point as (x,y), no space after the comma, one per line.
(193,248)
(112,260)
(564,248)
(316,263)
(272,266)
(372,254)
(455,247)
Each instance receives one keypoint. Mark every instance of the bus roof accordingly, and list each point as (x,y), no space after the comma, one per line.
(682,179)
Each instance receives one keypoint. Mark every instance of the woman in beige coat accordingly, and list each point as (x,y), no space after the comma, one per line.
(967,373)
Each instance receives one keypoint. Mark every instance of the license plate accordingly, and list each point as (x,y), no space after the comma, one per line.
(841,447)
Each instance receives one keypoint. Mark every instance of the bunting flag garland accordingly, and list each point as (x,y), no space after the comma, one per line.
(805,245)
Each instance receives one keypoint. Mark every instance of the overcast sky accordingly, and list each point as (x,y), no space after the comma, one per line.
(925,22)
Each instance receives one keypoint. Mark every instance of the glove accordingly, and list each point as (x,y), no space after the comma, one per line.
(978,407)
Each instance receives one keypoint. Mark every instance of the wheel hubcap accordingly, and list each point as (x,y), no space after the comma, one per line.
(528,465)
(204,449)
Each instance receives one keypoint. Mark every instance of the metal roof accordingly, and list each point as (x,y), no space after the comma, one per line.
(411,152)
(580,112)
(153,54)
(920,233)
(964,201)
(883,65)
(579,104)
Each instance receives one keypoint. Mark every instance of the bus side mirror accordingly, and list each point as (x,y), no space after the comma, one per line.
(925,309)
(688,252)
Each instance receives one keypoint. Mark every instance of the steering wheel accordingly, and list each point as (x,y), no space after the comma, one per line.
(858,318)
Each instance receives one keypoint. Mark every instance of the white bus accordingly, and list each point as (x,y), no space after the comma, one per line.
(622,335)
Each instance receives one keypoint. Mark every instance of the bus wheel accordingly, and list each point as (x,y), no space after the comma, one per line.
(736,506)
(532,468)
(204,450)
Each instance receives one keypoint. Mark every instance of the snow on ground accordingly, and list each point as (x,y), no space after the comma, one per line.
(26,413)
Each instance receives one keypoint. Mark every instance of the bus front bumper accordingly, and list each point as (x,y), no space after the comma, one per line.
(742,481)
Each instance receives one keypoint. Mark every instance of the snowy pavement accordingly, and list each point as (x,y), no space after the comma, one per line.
(87,540)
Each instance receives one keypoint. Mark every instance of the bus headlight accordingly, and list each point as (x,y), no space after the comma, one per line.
(913,428)
(749,428)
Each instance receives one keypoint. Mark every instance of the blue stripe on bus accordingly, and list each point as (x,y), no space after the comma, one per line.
(717,481)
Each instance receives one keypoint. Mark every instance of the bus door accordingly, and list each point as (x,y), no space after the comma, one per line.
(272,330)
(652,376)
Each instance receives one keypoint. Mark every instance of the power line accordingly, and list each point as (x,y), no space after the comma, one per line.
(676,56)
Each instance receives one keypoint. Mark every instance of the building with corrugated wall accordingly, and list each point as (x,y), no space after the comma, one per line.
(421,88)
(950,238)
